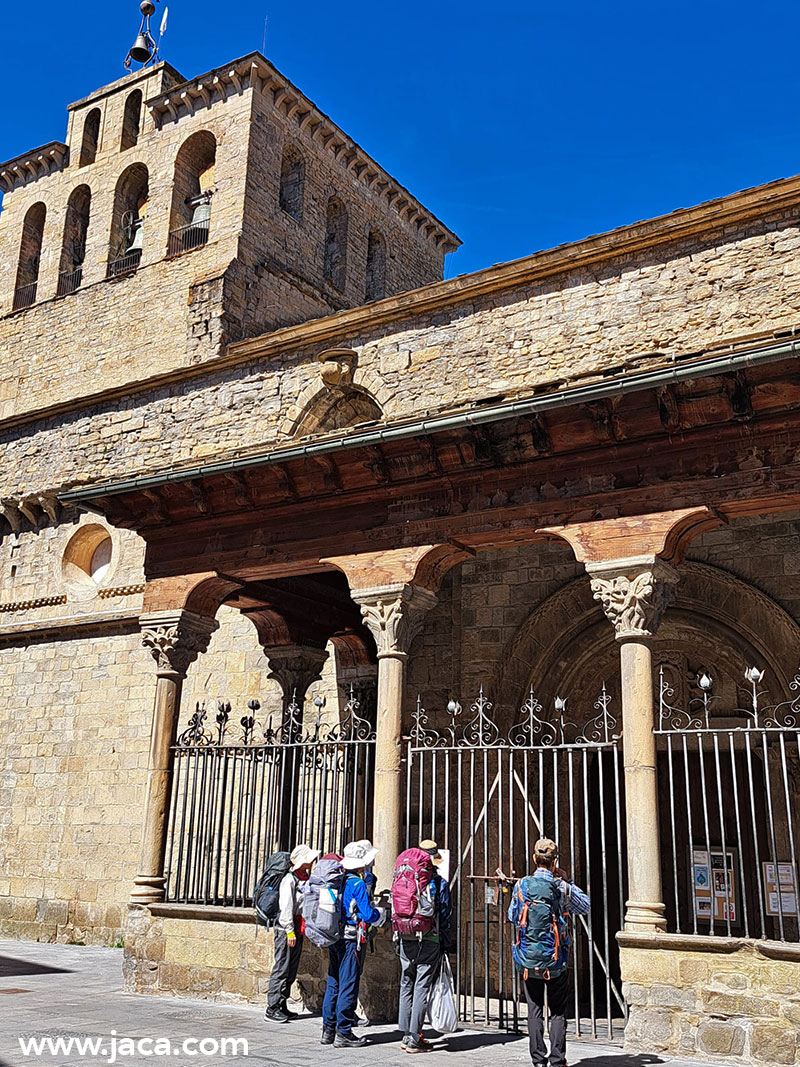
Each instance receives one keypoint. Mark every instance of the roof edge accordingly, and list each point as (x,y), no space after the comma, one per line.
(539,404)
(683,222)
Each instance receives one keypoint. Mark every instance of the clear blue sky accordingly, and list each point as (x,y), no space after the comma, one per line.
(521,125)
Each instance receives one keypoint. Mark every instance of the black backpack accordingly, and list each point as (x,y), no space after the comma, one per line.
(265,894)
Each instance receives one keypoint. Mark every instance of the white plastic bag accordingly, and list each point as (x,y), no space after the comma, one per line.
(442,1012)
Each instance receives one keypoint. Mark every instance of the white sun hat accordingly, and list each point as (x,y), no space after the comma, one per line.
(304,854)
(358,854)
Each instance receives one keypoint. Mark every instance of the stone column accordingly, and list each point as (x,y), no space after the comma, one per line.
(294,668)
(394,615)
(175,639)
(634,593)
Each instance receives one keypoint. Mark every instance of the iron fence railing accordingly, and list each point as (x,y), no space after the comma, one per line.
(242,791)
(24,296)
(730,784)
(69,281)
(125,264)
(486,794)
(185,238)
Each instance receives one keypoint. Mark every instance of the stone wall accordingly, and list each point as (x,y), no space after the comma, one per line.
(722,1000)
(224,955)
(471,636)
(293,248)
(536,336)
(75,716)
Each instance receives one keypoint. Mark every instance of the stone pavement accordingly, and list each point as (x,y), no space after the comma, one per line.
(75,991)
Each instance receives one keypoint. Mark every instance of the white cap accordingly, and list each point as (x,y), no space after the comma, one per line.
(358,854)
(304,854)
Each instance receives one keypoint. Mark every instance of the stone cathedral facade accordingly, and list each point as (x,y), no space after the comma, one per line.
(300,541)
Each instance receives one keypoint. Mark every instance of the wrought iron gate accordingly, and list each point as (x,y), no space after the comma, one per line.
(242,791)
(487,798)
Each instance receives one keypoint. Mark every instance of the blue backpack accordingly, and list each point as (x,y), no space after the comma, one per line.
(541,946)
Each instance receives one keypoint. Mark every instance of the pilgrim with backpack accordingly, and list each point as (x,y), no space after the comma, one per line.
(421,921)
(350,882)
(278,903)
(540,904)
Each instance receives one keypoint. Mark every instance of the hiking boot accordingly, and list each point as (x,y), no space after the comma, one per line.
(276,1015)
(328,1036)
(349,1041)
(415,1044)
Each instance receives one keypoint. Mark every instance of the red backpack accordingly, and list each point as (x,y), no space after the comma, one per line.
(413,907)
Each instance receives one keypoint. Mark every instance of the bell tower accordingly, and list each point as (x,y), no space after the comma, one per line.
(179,215)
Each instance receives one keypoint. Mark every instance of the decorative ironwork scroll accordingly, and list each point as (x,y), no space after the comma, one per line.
(535,728)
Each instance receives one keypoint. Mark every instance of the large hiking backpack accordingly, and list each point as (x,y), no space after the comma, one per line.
(541,947)
(322,903)
(413,907)
(266,892)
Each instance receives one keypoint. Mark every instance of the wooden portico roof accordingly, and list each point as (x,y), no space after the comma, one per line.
(722,430)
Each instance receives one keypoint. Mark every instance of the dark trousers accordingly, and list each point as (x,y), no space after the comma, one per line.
(557,999)
(341,993)
(284,970)
(419,964)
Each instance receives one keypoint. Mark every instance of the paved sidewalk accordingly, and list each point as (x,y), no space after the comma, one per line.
(72,991)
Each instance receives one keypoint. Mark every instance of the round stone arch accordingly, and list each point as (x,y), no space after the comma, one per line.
(718,623)
(337,408)
(338,386)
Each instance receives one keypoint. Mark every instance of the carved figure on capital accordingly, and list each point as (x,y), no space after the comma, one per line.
(634,600)
(175,641)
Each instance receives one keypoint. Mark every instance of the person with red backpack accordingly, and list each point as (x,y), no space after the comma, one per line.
(421,921)
(540,904)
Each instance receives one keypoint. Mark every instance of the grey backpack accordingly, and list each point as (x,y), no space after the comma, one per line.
(322,903)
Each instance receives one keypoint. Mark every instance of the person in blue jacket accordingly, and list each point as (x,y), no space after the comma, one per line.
(346,957)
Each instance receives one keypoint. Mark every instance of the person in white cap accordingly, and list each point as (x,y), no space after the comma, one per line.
(288,934)
(346,957)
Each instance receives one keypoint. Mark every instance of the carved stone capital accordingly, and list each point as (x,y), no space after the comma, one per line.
(175,639)
(295,667)
(394,615)
(634,593)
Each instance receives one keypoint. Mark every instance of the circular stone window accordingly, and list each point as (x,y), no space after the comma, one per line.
(87,560)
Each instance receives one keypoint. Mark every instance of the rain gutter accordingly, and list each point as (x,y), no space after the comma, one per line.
(726,363)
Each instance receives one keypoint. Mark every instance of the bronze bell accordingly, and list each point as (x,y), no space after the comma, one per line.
(141,50)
